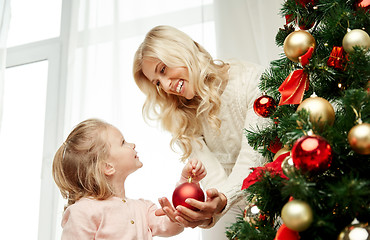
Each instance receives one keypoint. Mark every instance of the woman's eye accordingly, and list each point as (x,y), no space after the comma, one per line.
(163,68)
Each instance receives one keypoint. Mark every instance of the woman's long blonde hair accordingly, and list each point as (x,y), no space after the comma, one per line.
(77,165)
(182,117)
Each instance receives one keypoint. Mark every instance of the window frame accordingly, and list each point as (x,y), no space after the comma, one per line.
(55,51)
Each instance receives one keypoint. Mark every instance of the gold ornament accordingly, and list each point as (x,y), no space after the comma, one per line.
(281,151)
(359,138)
(297,215)
(297,44)
(320,110)
(287,166)
(251,214)
(358,231)
(355,37)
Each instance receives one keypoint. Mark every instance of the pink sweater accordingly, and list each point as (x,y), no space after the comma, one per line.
(115,219)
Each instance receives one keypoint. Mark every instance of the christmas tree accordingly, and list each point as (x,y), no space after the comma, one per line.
(316,184)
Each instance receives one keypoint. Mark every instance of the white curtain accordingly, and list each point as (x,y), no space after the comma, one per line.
(102,38)
(246,29)
(4,27)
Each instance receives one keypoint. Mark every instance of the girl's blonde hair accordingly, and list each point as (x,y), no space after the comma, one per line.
(182,117)
(77,165)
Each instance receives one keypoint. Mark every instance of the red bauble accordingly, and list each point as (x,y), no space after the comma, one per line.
(187,190)
(285,233)
(311,153)
(264,106)
(275,145)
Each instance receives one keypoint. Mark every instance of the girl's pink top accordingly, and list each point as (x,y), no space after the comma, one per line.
(115,219)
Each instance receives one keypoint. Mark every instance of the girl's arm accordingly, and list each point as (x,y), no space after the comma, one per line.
(162,225)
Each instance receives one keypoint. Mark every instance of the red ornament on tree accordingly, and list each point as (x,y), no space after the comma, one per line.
(185,191)
(285,233)
(363,4)
(264,106)
(275,145)
(311,153)
(336,58)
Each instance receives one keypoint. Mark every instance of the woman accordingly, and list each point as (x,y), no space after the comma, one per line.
(206,105)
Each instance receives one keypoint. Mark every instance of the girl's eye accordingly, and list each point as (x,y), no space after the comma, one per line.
(163,68)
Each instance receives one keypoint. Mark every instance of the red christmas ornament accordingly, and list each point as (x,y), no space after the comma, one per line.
(363,4)
(336,58)
(264,106)
(185,191)
(285,233)
(311,153)
(275,145)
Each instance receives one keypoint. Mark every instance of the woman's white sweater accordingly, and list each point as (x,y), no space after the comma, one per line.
(227,156)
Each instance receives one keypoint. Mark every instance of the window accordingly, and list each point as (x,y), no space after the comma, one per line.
(42,103)
(33,21)
(21,148)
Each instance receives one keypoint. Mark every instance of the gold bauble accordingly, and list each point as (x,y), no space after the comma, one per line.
(281,151)
(320,110)
(287,166)
(297,215)
(359,138)
(297,44)
(358,231)
(355,37)
(251,214)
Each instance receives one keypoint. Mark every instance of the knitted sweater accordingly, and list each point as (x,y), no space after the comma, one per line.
(227,156)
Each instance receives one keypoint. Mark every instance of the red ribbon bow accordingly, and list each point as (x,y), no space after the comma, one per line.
(294,86)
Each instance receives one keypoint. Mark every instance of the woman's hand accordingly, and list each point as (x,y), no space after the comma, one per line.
(213,205)
(195,169)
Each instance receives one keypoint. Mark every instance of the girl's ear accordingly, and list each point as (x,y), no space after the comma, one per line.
(108,169)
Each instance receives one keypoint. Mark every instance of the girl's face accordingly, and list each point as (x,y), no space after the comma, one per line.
(123,156)
(173,80)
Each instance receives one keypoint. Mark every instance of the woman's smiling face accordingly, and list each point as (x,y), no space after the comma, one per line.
(173,80)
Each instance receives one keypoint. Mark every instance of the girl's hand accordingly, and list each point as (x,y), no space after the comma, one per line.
(195,169)
(167,209)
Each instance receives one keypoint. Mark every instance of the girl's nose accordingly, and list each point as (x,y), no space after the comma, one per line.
(133,145)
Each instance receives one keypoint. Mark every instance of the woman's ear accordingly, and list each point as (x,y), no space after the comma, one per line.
(108,169)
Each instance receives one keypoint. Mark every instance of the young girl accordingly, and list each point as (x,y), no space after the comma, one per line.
(90,169)
(206,105)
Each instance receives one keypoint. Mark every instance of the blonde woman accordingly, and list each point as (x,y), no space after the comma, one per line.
(205,104)
(90,169)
